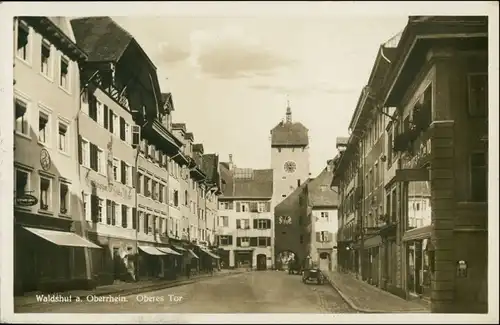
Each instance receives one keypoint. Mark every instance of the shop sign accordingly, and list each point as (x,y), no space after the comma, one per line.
(422,154)
(122,191)
(26,200)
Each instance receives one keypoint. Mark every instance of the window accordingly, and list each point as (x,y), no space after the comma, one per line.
(114,124)
(43,127)
(389,148)
(127,133)
(298,183)
(45,193)
(122,129)
(100,161)
(140,181)
(478,94)
(64,73)
(186,198)
(112,213)
(226,240)
(478,177)
(146,190)
(263,241)
(86,207)
(100,210)
(242,224)
(225,221)
(154,189)
(45,58)
(243,241)
(99,108)
(160,192)
(128,174)
(116,169)
(261,207)
(324,215)
(63,138)
(21,117)
(225,205)
(262,224)
(176,198)
(63,198)
(22,182)
(23,41)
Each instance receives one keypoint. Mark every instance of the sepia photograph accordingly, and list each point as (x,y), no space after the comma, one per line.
(325,161)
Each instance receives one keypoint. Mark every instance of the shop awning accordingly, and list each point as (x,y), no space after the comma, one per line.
(193,255)
(151,250)
(62,238)
(168,251)
(209,253)
(181,249)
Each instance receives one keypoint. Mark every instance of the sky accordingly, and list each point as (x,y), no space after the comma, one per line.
(231,77)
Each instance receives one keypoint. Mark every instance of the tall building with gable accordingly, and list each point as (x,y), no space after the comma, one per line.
(289,156)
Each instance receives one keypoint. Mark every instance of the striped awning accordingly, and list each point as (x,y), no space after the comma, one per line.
(192,254)
(209,253)
(181,249)
(151,250)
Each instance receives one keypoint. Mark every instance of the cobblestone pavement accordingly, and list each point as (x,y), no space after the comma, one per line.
(252,292)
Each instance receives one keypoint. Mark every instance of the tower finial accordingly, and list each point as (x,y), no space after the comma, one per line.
(288,111)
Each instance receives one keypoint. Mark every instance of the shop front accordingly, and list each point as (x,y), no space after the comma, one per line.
(372,260)
(151,262)
(418,255)
(169,262)
(48,256)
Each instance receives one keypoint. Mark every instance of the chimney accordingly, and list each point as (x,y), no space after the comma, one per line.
(230,162)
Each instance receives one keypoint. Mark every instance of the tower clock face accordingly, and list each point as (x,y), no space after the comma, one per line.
(290,166)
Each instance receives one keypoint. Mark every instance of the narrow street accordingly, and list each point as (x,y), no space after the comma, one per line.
(253,292)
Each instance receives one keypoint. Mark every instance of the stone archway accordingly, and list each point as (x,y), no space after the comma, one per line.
(325,261)
(283,257)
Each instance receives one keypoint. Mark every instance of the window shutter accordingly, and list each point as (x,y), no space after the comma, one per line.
(111,126)
(255,223)
(231,205)
(124,216)
(106,117)
(268,224)
(238,241)
(92,107)
(230,240)
(134,218)
(253,241)
(268,206)
(238,224)
(253,206)
(94,205)
(268,241)
(123,172)
(238,206)
(318,237)
(80,156)
(122,128)
(93,156)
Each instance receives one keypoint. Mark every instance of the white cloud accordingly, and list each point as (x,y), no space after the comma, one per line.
(231,52)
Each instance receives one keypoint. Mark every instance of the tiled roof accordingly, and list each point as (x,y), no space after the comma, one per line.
(101,38)
(167,102)
(259,186)
(291,201)
(198,147)
(209,167)
(289,134)
(320,192)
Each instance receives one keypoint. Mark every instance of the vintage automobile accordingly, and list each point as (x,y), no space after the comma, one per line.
(312,274)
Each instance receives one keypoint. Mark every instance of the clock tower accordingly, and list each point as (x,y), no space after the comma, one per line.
(289,156)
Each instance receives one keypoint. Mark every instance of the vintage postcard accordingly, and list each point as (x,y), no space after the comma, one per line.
(255,162)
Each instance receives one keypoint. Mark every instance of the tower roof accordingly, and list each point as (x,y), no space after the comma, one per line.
(289,133)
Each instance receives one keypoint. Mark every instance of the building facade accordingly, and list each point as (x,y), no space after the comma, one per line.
(290,165)
(46,172)
(435,169)
(244,225)
(323,202)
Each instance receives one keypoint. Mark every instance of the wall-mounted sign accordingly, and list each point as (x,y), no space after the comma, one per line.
(117,189)
(45,159)
(26,200)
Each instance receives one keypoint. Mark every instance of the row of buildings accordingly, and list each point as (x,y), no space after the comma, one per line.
(412,175)
(107,187)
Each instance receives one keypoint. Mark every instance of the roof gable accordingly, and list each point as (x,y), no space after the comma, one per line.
(258,185)
(292,200)
(320,191)
(101,38)
(289,134)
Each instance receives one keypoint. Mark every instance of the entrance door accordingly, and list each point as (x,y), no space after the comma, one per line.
(261,262)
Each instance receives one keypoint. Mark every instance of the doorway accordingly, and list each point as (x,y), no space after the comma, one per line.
(325,261)
(261,262)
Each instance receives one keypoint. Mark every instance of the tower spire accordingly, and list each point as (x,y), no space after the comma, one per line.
(288,111)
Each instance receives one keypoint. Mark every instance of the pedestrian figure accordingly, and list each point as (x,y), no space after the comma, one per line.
(188,271)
